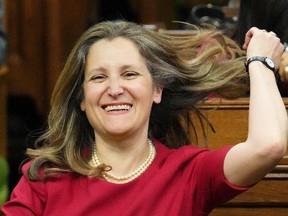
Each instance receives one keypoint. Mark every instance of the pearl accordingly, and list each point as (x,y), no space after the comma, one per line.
(131,176)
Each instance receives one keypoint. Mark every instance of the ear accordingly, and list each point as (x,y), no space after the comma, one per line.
(82,105)
(157,94)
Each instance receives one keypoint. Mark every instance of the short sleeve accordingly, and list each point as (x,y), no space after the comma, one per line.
(208,177)
(27,198)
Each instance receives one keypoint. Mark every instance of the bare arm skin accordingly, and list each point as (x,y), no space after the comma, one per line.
(246,163)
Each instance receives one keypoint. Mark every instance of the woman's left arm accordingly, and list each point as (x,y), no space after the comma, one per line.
(246,163)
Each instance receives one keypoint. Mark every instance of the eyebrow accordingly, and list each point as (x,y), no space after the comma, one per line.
(102,69)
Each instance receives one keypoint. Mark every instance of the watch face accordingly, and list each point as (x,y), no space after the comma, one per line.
(270,62)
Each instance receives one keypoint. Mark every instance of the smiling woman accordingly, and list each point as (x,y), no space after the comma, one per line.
(118,90)
(121,123)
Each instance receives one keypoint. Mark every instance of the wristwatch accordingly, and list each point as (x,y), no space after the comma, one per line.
(265,60)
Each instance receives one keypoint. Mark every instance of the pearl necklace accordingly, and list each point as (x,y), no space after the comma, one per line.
(131,176)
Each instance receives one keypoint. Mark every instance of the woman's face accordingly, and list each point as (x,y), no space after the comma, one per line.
(118,89)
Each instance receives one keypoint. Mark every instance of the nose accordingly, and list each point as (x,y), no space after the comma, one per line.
(115,87)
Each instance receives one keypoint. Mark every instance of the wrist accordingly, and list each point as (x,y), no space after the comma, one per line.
(264,60)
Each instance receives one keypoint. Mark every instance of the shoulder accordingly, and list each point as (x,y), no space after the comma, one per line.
(49,185)
(191,158)
(190,151)
(25,167)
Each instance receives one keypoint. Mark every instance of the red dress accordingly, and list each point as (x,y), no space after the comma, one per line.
(186,181)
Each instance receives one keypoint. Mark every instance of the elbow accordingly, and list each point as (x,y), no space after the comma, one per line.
(275,151)
(269,146)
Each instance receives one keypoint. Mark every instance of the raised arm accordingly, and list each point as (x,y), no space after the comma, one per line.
(246,163)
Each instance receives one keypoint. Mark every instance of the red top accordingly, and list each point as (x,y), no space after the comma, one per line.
(186,181)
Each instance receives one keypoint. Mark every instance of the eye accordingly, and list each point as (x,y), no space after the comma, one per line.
(98,78)
(130,74)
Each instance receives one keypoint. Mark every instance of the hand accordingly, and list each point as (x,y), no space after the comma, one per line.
(284,64)
(262,43)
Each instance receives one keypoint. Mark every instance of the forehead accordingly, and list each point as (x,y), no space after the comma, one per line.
(118,44)
(110,54)
(114,49)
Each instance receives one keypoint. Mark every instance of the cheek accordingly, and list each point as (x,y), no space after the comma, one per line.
(91,95)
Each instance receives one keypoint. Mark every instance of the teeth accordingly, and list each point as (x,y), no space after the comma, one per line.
(118,108)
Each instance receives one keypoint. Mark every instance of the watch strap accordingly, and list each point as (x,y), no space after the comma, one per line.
(261,59)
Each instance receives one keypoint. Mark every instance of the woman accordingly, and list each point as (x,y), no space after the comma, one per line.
(123,92)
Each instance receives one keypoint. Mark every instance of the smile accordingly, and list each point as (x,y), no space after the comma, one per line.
(117,108)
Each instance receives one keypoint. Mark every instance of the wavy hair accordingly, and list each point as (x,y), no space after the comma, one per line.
(174,61)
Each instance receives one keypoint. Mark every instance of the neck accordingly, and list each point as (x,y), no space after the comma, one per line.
(125,161)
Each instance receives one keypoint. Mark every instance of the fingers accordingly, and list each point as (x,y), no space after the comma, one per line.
(259,42)
(248,37)
(250,34)
(272,33)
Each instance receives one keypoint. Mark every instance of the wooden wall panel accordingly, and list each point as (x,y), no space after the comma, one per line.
(159,12)
(41,34)
(230,121)
(3,111)
(25,48)
(244,211)
(65,22)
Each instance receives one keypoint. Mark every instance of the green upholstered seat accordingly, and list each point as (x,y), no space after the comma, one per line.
(4,171)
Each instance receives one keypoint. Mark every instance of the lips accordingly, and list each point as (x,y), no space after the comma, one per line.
(120,107)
